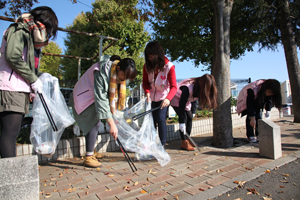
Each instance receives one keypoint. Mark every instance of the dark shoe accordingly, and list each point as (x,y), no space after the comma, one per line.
(252,139)
(185,145)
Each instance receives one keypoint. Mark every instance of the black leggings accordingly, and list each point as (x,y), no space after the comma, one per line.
(91,137)
(188,122)
(10,128)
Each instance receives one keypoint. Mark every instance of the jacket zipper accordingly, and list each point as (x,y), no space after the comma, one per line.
(82,93)
(12,71)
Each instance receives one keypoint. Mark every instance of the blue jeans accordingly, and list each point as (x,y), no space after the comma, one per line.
(159,119)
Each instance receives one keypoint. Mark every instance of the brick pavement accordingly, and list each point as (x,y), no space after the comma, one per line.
(189,175)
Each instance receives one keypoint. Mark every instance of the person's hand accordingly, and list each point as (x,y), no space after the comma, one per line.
(194,115)
(253,122)
(112,110)
(148,97)
(113,129)
(165,103)
(31,96)
(37,86)
(182,127)
(267,114)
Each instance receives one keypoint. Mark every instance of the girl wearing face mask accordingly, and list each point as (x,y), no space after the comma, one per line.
(19,70)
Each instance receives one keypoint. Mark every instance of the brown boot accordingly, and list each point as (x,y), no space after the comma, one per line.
(185,145)
(91,161)
(98,155)
(190,142)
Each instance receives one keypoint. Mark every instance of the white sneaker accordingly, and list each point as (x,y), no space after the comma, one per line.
(252,139)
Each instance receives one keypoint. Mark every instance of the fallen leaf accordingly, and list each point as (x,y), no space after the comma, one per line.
(143,192)
(111,175)
(267,198)
(98,168)
(108,190)
(257,185)
(195,154)
(201,189)
(88,186)
(150,171)
(287,175)
(260,181)
(284,181)
(148,179)
(136,183)
(281,192)
(106,173)
(267,171)
(268,194)
(48,195)
(281,186)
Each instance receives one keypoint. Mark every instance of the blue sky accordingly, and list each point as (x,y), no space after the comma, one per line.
(264,65)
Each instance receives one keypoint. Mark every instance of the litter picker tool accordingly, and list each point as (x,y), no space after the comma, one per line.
(48,112)
(144,113)
(130,162)
(191,140)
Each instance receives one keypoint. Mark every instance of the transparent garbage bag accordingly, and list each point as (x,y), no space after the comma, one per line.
(42,136)
(142,137)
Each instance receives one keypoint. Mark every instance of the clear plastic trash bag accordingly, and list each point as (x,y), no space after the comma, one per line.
(142,137)
(42,136)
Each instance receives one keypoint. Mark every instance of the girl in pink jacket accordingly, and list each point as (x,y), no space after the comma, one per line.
(202,89)
(159,83)
(254,97)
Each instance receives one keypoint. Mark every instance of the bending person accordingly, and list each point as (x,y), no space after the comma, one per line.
(159,83)
(190,90)
(19,68)
(96,95)
(253,98)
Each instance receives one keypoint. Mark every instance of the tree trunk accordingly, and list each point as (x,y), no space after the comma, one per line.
(290,50)
(222,122)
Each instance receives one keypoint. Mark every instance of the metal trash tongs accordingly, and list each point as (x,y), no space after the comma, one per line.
(144,113)
(192,141)
(48,112)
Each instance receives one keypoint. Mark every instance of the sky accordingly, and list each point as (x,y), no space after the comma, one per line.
(254,65)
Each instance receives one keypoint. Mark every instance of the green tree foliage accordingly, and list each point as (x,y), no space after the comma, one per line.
(186,28)
(118,19)
(51,64)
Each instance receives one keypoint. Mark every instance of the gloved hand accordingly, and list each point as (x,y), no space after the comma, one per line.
(268,114)
(194,115)
(37,86)
(182,127)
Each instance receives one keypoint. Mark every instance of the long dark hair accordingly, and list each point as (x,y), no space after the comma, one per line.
(46,16)
(274,86)
(127,65)
(206,90)
(154,48)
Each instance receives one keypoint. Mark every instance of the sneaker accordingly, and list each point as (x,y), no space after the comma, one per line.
(252,139)
(91,161)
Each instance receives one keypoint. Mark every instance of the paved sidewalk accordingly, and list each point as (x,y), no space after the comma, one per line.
(189,175)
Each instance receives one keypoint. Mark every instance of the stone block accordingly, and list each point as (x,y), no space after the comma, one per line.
(269,139)
(19,178)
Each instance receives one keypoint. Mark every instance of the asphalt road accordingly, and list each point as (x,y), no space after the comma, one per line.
(280,183)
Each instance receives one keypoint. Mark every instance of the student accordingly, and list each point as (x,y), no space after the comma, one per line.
(159,84)
(202,89)
(96,95)
(19,68)
(254,97)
